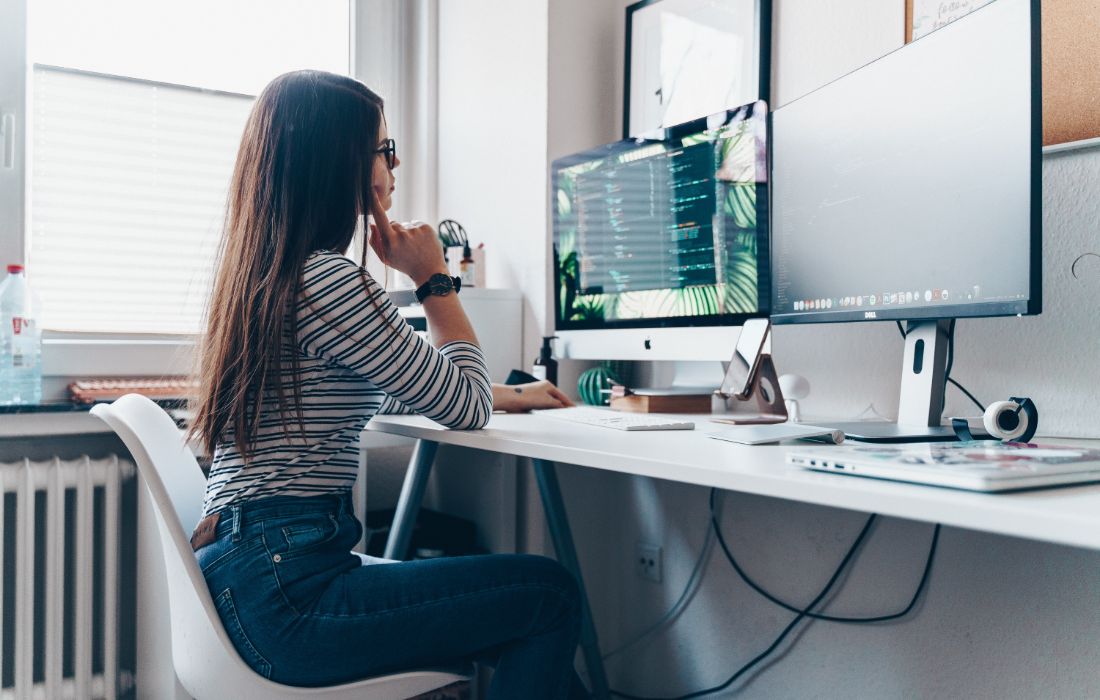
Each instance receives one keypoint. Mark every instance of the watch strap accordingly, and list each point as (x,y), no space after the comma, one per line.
(425,290)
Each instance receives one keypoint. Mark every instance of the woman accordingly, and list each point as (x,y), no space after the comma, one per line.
(302,348)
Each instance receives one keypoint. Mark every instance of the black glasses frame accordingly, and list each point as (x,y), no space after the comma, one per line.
(388,149)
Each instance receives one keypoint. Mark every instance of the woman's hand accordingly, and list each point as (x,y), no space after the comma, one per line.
(413,248)
(525,397)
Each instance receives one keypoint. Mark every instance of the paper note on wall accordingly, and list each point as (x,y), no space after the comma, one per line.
(930,15)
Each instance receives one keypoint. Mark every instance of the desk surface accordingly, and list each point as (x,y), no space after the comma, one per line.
(1069,516)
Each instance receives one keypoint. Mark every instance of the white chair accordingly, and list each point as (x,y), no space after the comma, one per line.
(205,660)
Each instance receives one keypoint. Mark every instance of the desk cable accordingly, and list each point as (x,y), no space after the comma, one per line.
(801,613)
(807,611)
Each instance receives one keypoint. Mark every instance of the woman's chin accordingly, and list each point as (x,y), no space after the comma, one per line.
(386,200)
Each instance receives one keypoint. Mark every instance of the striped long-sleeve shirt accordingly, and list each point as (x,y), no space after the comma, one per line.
(357,357)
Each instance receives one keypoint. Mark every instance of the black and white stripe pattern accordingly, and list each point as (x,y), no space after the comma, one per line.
(357,357)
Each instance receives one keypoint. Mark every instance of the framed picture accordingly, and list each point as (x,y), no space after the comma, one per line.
(686,59)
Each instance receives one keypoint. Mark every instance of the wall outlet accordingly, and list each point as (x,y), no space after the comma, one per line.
(647,561)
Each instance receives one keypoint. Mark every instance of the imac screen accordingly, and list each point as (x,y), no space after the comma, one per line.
(665,230)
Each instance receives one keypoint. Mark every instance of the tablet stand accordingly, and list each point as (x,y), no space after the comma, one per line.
(764,403)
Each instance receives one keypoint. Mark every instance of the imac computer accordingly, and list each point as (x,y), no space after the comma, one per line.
(661,242)
(909,190)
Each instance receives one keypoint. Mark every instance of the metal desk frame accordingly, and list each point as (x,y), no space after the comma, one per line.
(408,505)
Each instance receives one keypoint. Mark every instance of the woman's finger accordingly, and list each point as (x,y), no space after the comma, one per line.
(561,397)
(382,228)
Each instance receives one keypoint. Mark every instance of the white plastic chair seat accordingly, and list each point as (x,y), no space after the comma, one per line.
(207,664)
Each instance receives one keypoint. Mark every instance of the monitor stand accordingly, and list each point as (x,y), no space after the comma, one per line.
(678,377)
(920,406)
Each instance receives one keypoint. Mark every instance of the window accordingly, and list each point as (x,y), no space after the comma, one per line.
(127,188)
(136,113)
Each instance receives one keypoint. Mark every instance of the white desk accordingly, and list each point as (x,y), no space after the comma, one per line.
(1069,516)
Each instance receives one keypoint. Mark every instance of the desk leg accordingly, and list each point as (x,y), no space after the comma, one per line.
(552,503)
(408,504)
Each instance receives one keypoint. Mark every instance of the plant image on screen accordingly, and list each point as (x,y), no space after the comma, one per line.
(663,230)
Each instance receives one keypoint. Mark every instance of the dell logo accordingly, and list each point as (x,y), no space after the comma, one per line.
(648,344)
(870,314)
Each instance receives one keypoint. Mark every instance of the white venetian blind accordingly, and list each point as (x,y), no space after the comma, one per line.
(128,186)
(136,113)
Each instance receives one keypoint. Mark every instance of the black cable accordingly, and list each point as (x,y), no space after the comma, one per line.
(782,635)
(821,616)
(950,360)
(970,396)
(950,352)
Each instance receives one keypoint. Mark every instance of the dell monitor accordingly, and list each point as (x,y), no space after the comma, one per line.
(661,242)
(909,190)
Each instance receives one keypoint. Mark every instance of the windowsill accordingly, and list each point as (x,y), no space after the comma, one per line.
(50,425)
(86,355)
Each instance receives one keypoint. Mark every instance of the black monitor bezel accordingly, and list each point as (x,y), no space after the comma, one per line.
(1033,305)
(763,290)
(763,32)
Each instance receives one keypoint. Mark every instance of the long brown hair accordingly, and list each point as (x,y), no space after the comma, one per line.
(302,178)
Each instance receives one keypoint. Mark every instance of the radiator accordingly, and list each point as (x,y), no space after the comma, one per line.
(60,547)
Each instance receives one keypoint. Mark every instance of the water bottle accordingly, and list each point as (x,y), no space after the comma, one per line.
(20,341)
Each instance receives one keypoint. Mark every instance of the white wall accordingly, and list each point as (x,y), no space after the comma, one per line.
(1003,618)
(492,139)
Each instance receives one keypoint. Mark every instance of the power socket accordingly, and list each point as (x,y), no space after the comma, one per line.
(647,561)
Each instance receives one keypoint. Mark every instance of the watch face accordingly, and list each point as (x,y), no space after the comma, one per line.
(440,284)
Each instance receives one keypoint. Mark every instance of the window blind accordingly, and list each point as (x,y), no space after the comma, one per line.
(127,196)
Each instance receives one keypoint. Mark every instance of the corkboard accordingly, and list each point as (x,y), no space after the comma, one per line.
(1071,70)
(1071,64)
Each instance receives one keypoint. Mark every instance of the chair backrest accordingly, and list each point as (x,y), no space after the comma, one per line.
(206,661)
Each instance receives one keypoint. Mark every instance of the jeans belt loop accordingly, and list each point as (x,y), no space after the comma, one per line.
(235,513)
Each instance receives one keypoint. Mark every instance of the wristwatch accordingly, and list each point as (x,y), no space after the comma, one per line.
(440,285)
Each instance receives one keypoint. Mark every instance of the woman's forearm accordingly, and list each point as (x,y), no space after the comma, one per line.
(505,398)
(447,321)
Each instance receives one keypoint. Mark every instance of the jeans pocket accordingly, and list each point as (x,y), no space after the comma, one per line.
(216,556)
(303,536)
(251,656)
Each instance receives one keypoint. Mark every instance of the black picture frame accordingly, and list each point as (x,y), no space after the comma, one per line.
(762,36)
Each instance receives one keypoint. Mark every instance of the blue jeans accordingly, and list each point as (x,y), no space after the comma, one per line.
(303,610)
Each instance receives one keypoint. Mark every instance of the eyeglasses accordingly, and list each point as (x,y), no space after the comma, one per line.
(388,149)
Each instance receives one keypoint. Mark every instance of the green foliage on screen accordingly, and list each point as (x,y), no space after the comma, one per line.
(735,293)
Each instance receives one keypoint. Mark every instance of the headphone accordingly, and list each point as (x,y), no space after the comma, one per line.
(1015,420)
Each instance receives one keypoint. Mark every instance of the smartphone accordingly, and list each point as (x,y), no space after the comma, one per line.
(746,358)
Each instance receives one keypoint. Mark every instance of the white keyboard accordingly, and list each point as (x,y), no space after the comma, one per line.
(606,418)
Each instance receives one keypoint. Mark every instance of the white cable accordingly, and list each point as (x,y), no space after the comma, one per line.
(681,603)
